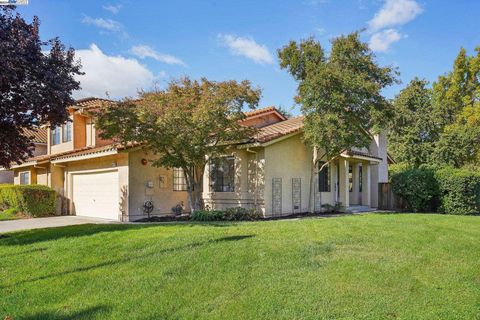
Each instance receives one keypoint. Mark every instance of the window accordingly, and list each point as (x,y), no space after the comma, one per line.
(323,178)
(25,177)
(179,181)
(67,132)
(360,178)
(350,178)
(56,136)
(222,174)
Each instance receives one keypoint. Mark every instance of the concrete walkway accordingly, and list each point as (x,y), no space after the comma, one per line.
(38,223)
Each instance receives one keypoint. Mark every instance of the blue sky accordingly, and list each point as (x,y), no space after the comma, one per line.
(127,45)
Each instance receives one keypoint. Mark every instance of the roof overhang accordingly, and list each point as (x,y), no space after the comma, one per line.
(85,156)
(360,157)
(270,142)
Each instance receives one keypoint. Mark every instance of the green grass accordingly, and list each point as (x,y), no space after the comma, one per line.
(9,214)
(397,266)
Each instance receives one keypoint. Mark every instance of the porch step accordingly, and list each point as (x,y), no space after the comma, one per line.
(359,209)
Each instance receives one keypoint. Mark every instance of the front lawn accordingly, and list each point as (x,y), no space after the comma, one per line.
(396,266)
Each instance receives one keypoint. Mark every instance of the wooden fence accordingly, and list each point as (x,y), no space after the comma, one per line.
(387,200)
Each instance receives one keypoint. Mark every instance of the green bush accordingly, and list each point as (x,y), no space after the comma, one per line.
(418,187)
(459,191)
(230,214)
(33,200)
(207,215)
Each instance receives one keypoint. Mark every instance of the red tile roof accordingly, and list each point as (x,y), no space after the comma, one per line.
(257,112)
(38,135)
(91,102)
(279,129)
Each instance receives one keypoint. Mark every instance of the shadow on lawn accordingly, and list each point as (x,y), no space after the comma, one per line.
(40,235)
(130,258)
(83,314)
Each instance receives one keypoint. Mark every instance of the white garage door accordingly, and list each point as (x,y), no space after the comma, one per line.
(96,194)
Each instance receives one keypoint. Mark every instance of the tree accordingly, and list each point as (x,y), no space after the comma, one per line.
(340,94)
(184,125)
(35,87)
(413,131)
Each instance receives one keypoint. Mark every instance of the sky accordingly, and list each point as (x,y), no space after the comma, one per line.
(125,46)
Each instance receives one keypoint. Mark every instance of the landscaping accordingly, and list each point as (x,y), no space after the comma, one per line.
(373,266)
(28,200)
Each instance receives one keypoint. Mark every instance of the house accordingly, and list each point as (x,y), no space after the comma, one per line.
(99,178)
(270,172)
(39,139)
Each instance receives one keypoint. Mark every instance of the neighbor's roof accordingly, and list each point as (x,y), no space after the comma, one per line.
(38,135)
(258,112)
(90,103)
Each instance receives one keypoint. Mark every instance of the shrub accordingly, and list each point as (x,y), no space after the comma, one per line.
(239,214)
(207,215)
(459,190)
(418,187)
(230,214)
(33,200)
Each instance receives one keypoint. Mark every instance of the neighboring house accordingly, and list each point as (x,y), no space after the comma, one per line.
(98,178)
(270,172)
(39,139)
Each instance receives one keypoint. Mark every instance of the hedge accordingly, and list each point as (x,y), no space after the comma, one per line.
(418,187)
(230,214)
(33,200)
(459,191)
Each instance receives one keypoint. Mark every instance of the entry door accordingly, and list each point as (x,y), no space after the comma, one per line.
(96,194)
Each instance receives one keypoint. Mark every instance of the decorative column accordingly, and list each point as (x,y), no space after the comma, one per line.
(366,184)
(343,183)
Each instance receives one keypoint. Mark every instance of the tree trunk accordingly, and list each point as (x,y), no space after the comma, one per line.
(311,196)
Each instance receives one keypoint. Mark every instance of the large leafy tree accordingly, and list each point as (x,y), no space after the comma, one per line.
(36,83)
(339,94)
(413,131)
(457,111)
(184,125)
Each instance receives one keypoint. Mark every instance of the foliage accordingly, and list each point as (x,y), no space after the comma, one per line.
(230,214)
(207,215)
(460,191)
(340,94)
(36,83)
(33,200)
(413,131)
(418,187)
(183,125)
(9,214)
(459,145)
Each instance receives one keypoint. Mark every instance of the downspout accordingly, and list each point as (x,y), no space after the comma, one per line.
(256,178)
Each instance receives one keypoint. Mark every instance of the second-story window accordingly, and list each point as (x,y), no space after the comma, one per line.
(56,138)
(67,132)
(222,174)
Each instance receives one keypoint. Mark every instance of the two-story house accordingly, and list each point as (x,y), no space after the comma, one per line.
(96,177)
(39,140)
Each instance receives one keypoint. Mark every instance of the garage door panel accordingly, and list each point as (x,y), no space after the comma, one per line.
(96,194)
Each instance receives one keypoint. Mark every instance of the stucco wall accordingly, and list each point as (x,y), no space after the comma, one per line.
(40,149)
(162,194)
(288,159)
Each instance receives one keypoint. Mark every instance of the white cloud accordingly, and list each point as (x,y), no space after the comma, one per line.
(117,75)
(113,8)
(144,51)
(106,24)
(395,13)
(247,47)
(381,41)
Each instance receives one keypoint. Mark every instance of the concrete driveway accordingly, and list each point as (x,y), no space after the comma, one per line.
(50,222)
